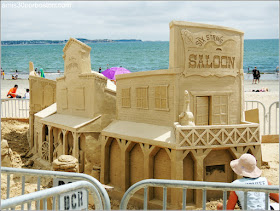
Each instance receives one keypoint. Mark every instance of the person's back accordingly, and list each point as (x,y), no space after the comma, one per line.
(12,92)
(246,166)
(255,200)
(254,71)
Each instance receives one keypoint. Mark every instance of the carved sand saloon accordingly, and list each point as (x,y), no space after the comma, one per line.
(185,122)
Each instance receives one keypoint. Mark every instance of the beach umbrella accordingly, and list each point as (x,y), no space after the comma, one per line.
(113,71)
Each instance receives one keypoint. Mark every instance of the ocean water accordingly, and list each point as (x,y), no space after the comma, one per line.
(134,56)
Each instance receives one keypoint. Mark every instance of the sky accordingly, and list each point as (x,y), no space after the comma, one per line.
(145,20)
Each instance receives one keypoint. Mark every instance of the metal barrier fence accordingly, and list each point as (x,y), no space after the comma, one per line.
(262,112)
(204,186)
(14,108)
(271,117)
(55,175)
(274,118)
(78,200)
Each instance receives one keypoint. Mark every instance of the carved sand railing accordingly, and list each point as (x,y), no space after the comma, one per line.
(213,136)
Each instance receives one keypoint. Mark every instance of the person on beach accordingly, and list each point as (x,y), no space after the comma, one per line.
(246,166)
(15,76)
(42,73)
(26,95)
(277,70)
(99,69)
(12,92)
(254,71)
(2,73)
(258,75)
(260,90)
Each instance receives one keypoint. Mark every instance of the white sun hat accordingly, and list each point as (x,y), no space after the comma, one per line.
(246,166)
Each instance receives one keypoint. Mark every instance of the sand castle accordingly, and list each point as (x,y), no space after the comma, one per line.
(184,123)
(79,105)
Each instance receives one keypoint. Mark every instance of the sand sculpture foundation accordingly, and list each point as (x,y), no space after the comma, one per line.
(184,123)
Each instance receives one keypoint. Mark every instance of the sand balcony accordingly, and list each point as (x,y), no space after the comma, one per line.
(217,136)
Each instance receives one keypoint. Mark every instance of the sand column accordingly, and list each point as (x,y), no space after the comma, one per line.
(199,171)
(176,174)
(64,142)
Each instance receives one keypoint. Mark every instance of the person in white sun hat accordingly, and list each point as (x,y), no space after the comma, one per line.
(246,166)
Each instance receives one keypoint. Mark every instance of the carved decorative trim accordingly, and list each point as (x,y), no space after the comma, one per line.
(200,39)
(209,137)
(210,73)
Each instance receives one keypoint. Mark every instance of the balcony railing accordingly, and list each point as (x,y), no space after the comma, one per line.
(210,136)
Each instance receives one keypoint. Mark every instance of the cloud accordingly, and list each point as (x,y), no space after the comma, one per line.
(146,20)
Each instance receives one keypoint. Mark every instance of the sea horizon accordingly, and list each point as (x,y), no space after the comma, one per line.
(135,56)
(137,40)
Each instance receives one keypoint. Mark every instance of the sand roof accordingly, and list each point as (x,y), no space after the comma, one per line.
(69,122)
(47,111)
(140,131)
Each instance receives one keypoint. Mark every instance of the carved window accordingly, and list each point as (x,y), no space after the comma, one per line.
(77,98)
(161,97)
(126,98)
(142,97)
(220,110)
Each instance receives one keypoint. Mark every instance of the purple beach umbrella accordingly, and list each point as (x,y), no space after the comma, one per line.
(111,72)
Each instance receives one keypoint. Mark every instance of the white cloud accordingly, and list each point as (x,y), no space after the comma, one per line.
(136,19)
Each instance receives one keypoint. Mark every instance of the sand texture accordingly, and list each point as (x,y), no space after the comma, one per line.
(16,134)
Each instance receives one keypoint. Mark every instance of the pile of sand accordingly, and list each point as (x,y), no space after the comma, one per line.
(15,133)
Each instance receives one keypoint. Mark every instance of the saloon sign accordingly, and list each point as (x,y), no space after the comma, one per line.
(208,61)
(217,55)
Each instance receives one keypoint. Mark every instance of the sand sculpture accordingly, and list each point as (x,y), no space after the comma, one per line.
(66,163)
(6,154)
(67,117)
(183,123)
(154,131)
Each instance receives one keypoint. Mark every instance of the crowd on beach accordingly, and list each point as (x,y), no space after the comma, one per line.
(15,75)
